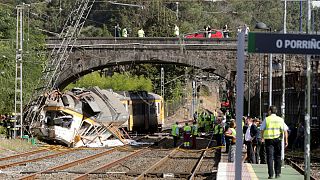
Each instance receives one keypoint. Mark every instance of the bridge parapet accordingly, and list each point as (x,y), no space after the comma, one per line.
(151,43)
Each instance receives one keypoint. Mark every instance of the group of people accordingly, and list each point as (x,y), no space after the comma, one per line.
(118,32)
(190,134)
(7,121)
(263,140)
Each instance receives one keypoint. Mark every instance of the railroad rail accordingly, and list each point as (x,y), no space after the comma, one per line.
(24,154)
(84,161)
(67,165)
(111,164)
(291,160)
(151,171)
(198,164)
(37,159)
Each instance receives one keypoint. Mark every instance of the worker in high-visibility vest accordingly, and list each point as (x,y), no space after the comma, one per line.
(124,32)
(186,135)
(175,133)
(176,31)
(218,131)
(200,122)
(272,132)
(194,134)
(207,122)
(141,33)
(231,133)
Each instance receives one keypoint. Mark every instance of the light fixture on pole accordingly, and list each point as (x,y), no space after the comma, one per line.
(263,26)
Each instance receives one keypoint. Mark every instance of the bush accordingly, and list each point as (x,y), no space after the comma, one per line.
(3,130)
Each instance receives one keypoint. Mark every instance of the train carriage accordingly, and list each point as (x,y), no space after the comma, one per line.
(146,111)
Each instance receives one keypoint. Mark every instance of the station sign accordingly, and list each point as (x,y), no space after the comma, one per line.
(283,43)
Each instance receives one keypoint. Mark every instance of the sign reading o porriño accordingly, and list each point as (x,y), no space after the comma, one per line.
(283,43)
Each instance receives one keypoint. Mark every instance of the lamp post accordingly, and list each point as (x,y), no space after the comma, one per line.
(263,26)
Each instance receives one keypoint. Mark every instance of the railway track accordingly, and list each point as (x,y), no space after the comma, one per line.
(72,169)
(124,162)
(297,163)
(179,163)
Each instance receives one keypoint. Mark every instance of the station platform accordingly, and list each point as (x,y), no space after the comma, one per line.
(226,171)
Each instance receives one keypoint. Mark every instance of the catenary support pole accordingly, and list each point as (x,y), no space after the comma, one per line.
(260,88)
(308,102)
(270,79)
(239,103)
(283,109)
(18,122)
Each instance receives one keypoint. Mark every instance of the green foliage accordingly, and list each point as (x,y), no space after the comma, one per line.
(118,82)
(33,58)
(3,130)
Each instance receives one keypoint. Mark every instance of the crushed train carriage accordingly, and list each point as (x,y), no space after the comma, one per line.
(81,118)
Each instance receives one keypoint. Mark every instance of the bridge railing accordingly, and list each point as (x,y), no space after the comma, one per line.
(150,43)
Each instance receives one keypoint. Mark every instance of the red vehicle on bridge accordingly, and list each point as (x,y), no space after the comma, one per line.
(201,34)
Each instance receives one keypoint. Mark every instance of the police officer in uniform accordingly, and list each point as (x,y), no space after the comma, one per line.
(272,130)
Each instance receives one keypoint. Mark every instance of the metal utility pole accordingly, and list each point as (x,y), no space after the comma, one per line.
(194,96)
(284,63)
(308,102)
(249,91)
(239,103)
(270,79)
(300,27)
(18,79)
(177,11)
(162,82)
(283,110)
(260,87)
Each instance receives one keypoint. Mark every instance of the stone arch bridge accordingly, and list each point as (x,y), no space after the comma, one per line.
(91,54)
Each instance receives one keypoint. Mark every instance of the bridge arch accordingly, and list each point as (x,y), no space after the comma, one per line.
(92,54)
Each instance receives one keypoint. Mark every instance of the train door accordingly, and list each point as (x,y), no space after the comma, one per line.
(146,112)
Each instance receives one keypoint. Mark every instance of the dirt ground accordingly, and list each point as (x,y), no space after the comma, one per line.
(210,103)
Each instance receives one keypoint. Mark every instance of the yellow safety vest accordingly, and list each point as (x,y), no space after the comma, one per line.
(124,32)
(176,31)
(187,129)
(234,133)
(140,33)
(194,130)
(218,129)
(274,127)
(174,130)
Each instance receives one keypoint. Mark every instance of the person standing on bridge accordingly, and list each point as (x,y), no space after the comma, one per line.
(175,133)
(176,31)
(124,32)
(141,33)
(117,31)
(272,131)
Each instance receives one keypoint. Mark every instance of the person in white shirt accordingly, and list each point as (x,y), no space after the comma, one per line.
(248,141)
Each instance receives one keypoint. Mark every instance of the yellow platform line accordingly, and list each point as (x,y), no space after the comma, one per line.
(251,172)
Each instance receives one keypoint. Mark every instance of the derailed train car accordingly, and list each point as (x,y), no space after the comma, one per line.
(146,111)
(81,118)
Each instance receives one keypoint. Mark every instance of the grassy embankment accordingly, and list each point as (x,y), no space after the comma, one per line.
(13,145)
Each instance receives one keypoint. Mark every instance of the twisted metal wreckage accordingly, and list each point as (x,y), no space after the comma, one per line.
(81,118)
